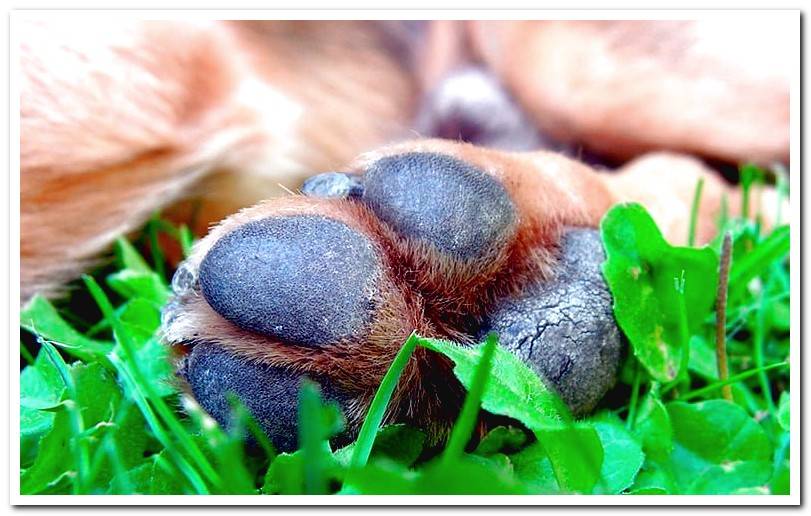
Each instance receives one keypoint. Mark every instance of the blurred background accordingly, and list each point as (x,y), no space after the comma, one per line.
(121,117)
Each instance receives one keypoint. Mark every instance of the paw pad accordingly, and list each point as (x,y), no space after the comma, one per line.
(455,207)
(328,286)
(305,280)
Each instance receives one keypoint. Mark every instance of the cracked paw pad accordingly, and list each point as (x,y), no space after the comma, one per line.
(564,328)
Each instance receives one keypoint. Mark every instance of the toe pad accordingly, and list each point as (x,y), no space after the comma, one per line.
(305,280)
(269,393)
(457,208)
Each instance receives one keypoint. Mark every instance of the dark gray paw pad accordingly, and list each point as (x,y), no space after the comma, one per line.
(457,208)
(269,393)
(305,280)
(565,328)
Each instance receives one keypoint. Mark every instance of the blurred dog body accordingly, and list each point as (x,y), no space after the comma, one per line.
(120,118)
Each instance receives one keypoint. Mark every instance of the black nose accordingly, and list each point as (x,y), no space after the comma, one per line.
(306,280)
(451,205)
(269,393)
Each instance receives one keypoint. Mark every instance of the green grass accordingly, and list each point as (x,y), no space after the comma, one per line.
(101,414)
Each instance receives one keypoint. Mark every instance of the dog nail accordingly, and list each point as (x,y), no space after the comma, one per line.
(333,184)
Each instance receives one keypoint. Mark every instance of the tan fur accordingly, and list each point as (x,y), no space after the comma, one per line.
(120,118)
(421,290)
(716,87)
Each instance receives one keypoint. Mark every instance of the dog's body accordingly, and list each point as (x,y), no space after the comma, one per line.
(119,119)
(447,238)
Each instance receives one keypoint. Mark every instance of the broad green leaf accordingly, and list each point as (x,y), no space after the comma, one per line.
(652,479)
(41,318)
(134,481)
(781,481)
(533,469)
(652,427)
(501,439)
(141,318)
(400,443)
(129,257)
(779,315)
(619,455)
(622,455)
(286,474)
(646,276)
(702,358)
(512,390)
(132,284)
(382,477)
(154,360)
(33,425)
(755,262)
(154,476)
(129,433)
(576,454)
(469,474)
(41,386)
(718,448)
(584,457)
(98,396)
(163,480)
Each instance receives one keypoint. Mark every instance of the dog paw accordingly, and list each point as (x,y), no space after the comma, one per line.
(445,241)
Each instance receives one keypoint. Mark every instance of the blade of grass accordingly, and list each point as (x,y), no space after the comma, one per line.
(78,445)
(463,428)
(118,415)
(782,191)
(691,236)
(750,174)
(759,338)
(154,399)
(129,257)
(311,438)
(121,478)
(684,334)
(377,409)
(244,416)
(729,381)
(226,447)
(186,240)
(181,233)
(772,248)
(160,433)
(723,216)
